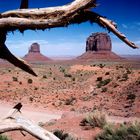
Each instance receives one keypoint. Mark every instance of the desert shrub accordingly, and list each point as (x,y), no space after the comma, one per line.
(95,119)
(41,124)
(103,82)
(115,85)
(3,137)
(15,79)
(67,75)
(50,73)
(138,81)
(121,66)
(131,96)
(30,81)
(124,77)
(128,71)
(107,73)
(62,70)
(73,79)
(123,132)
(99,79)
(31,99)
(62,135)
(70,101)
(104,89)
(44,76)
(93,65)
(101,65)
(35,88)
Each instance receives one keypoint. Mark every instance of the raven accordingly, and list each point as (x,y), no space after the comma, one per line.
(18,106)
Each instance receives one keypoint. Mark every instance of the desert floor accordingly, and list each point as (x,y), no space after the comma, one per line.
(65,91)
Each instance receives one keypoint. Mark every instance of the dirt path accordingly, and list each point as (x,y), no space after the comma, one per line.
(43,115)
(35,114)
(116,119)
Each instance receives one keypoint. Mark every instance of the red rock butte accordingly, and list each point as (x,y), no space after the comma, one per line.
(34,54)
(99,46)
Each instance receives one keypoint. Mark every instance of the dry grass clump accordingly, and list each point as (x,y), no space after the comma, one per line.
(15,79)
(30,81)
(95,119)
(62,135)
(3,137)
(123,132)
(103,83)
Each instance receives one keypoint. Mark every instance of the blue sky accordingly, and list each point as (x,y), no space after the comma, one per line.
(71,40)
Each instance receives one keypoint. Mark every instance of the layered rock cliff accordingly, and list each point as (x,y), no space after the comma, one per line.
(34,54)
(99,46)
(98,42)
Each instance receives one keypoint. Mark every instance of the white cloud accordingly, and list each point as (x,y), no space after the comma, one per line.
(122,48)
(137,23)
(63,48)
(137,42)
(124,26)
(20,47)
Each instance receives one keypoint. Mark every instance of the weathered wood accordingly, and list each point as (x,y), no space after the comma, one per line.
(15,121)
(6,54)
(18,62)
(111,26)
(61,16)
(43,18)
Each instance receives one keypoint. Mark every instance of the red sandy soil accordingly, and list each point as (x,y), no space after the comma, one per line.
(74,87)
(33,57)
(91,55)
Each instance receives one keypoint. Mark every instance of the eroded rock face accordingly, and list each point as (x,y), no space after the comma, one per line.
(35,47)
(98,46)
(34,54)
(98,42)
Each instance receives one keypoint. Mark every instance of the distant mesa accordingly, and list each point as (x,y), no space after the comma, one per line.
(99,46)
(98,42)
(35,48)
(34,54)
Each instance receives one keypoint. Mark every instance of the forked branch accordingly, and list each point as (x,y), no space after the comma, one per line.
(45,18)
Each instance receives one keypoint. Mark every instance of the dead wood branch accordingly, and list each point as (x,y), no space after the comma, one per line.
(6,54)
(15,121)
(61,16)
(43,18)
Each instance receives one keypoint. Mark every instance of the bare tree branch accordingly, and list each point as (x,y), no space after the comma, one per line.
(15,121)
(24,4)
(43,18)
(61,16)
(6,54)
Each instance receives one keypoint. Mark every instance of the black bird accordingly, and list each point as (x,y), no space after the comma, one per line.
(18,106)
(24,4)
